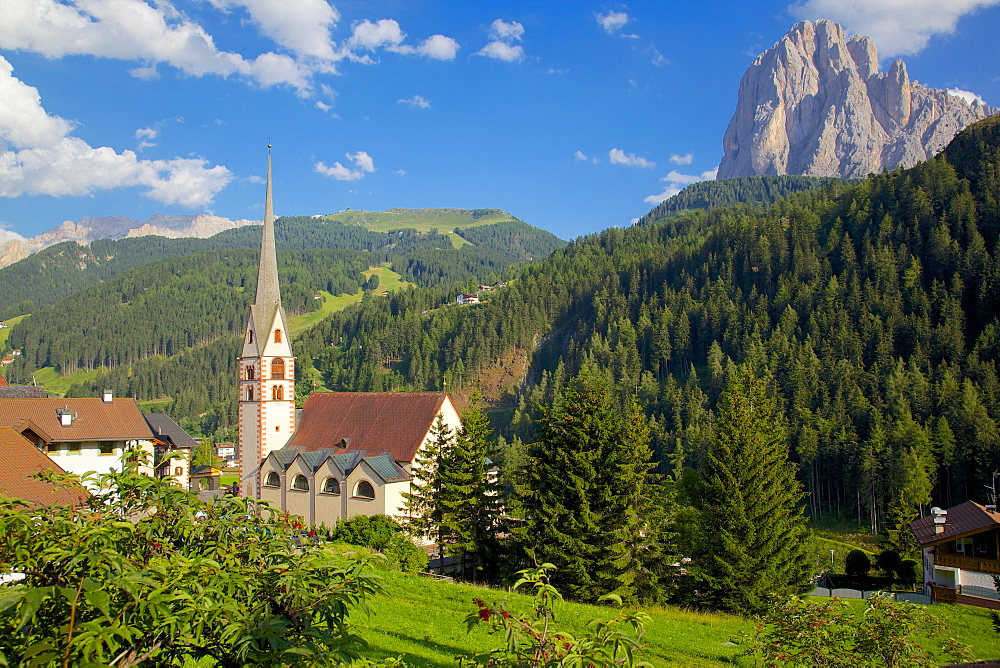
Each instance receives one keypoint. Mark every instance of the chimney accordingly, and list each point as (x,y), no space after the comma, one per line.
(106,396)
(940,519)
(65,417)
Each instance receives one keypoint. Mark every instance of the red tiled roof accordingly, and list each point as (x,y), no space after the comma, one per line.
(21,460)
(3,382)
(95,419)
(965,519)
(377,422)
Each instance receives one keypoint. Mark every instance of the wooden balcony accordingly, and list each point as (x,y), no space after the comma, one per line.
(968,563)
(943,594)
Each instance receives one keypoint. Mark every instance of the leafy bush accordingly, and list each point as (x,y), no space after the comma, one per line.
(888,562)
(381,533)
(857,564)
(906,573)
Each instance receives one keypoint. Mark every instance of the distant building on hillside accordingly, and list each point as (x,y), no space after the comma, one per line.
(466,298)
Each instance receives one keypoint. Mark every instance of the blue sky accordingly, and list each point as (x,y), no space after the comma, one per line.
(573,116)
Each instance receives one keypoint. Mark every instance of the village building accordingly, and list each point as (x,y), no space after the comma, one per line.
(348,453)
(81,435)
(466,298)
(22,462)
(169,437)
(961,554)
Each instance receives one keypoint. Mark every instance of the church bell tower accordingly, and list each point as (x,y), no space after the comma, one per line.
(266,365)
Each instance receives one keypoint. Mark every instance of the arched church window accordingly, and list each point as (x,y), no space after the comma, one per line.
(277,393)
(272,480)
(249,394)
(250,372)
(364,490)
(331,486)
(301,483)
(277,336)
(277,368)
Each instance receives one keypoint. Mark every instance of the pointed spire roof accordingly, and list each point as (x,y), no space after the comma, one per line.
(268,294)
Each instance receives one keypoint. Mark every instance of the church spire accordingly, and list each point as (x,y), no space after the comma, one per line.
(268,293)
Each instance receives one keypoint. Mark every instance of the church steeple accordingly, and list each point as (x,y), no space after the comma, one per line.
(266,365)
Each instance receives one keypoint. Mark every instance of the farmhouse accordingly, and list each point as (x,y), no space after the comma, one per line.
(466,298)
(961,553)
(80,435)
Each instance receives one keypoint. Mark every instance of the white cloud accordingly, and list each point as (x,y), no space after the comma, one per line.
(417,101)
(502,48)
(437,47)
(363,165)
(899,27)
(371,36)
(134,30)
(323,106)
(400,172)
(42,159)
(302,26)
(612,22)
(966,95)
(8,235)
(146,137)
(676,182)
(501,51)
(686,159)
(506,32)
(583,157)
(619,157)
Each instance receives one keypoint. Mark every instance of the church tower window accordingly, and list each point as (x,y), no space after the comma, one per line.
(249,394)
(277,369)
(250,373)
(277,393)
(277,336)
(250,336)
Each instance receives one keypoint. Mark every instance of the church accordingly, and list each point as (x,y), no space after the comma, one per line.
(344,453)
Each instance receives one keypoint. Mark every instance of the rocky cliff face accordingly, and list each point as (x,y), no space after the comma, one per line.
(815,103)
(117,227)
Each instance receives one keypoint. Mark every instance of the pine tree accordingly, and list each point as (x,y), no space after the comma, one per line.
(423,501)
(754,539)
(588,503)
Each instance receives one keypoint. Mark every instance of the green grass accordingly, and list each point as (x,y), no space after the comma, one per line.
(423,220)
(53,383)
(422,621)
(5,332)
(388,280)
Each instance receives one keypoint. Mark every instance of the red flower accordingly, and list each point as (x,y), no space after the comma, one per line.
(484,614)
(506,615)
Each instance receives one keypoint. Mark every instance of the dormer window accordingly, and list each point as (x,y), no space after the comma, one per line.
(277,336)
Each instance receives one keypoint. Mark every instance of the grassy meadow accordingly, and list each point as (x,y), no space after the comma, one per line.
(422,622)
(388,280)
(5,332)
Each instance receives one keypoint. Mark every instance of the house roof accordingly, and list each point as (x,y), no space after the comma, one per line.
(3,381)
(383,465)
(168,431)
(95,419)
(393,423)
(386,468)
(965,519)
(22,392)
(21,460)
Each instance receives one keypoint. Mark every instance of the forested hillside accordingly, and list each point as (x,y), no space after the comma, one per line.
(752,190)
(59,271)
(871,308)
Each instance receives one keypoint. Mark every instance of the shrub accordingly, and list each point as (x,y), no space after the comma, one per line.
(888,562)
(857,564)
(381,533)
(906,573)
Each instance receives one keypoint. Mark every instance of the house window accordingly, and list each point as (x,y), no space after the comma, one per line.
(52,447)
(963,546)
(250,373)
(249,394)
(272,480)
(331,486)
(74,447)
(277,393)
(107,448)
(178,471)
(277,336)
(300,482)
(364,490)
(277,368)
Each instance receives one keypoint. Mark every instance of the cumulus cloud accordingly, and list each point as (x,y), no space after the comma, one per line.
(612,22)
(899,27)
(386,34)
(676,182)
(363,164)
(8,235)
(302,26)
(146,137)
(966,95)
(417,101)
(583,157)
(502,47)
(42,158)
(686,159)
(619,157)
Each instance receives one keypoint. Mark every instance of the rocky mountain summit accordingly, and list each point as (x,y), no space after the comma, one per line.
(88,229)
(815,103)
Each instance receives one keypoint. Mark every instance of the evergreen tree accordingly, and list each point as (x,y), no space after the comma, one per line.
(588,502)
(754,539)
(423,501)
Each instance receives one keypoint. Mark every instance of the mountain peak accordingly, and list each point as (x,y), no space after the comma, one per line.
(816,103)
